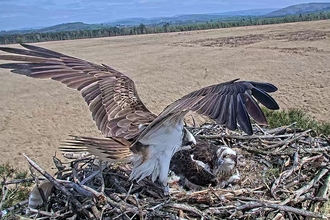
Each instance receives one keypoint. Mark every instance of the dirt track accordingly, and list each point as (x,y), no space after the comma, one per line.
(36,115)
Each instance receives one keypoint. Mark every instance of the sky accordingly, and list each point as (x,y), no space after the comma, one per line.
(19,14)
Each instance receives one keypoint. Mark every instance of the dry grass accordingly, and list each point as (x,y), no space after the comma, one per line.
(35,115)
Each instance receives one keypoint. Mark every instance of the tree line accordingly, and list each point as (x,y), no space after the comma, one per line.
(163,28)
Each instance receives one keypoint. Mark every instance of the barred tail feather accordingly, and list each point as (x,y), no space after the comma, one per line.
(107,149)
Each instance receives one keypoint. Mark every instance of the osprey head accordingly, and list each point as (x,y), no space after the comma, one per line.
(188,139)
(226,161)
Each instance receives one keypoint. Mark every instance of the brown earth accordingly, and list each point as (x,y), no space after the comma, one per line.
(36,115)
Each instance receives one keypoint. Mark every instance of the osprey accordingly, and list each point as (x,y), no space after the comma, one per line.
(205,164)
(123,118)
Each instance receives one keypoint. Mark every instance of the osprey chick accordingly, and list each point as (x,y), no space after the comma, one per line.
(206,164)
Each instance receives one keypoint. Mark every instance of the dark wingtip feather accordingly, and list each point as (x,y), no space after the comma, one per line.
(7,49)
(243,118)
(6,66)
(19,65)
(30,47)
(43,51)
(18,68)
(234,80)
(231,122)
(254,110)
(267,87)
(265,99)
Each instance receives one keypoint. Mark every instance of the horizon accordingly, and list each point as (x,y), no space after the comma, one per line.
(25,14)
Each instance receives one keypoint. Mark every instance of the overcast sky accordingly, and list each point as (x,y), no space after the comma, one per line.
(17,14)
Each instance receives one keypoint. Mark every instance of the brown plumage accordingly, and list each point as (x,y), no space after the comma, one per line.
(111,96)
(120,114)
(185,163)
(205,164)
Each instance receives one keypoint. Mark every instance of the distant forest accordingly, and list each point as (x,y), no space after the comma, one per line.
(164,28)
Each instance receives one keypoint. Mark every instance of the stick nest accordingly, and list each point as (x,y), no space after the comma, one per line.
(284,175)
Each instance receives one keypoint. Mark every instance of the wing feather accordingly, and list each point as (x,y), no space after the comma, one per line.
(109,93)
(264,98)
(116,149)
(232,109)
(116,106)
(243,118)
(228,103)
(221,119)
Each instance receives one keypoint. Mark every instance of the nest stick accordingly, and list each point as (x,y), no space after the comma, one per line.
(54,181)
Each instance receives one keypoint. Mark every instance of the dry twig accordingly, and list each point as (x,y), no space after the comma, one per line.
(285,175)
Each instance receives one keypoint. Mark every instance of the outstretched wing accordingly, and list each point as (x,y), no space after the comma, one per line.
(228,103)
(111,96)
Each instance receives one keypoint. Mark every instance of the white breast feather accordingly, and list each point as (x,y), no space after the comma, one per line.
(162,146)
(201,164)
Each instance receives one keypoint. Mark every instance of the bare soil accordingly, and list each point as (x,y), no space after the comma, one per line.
(36,115)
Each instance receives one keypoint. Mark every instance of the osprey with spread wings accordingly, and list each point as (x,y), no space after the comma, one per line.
(148,140)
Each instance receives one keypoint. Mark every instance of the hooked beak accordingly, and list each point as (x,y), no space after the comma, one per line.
(190,138)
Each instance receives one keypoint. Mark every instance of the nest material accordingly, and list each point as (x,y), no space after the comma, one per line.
(284,175)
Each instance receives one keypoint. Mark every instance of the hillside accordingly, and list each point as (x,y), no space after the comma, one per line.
(179,19)
(57,28)
(71,27)
(189,18)
(182,19)
(300,9)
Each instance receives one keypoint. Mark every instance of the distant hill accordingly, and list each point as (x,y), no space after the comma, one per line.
(250,12)
(57,28)
(300,9)
(189,18)
(71,27)
(179,19)
(182,19)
